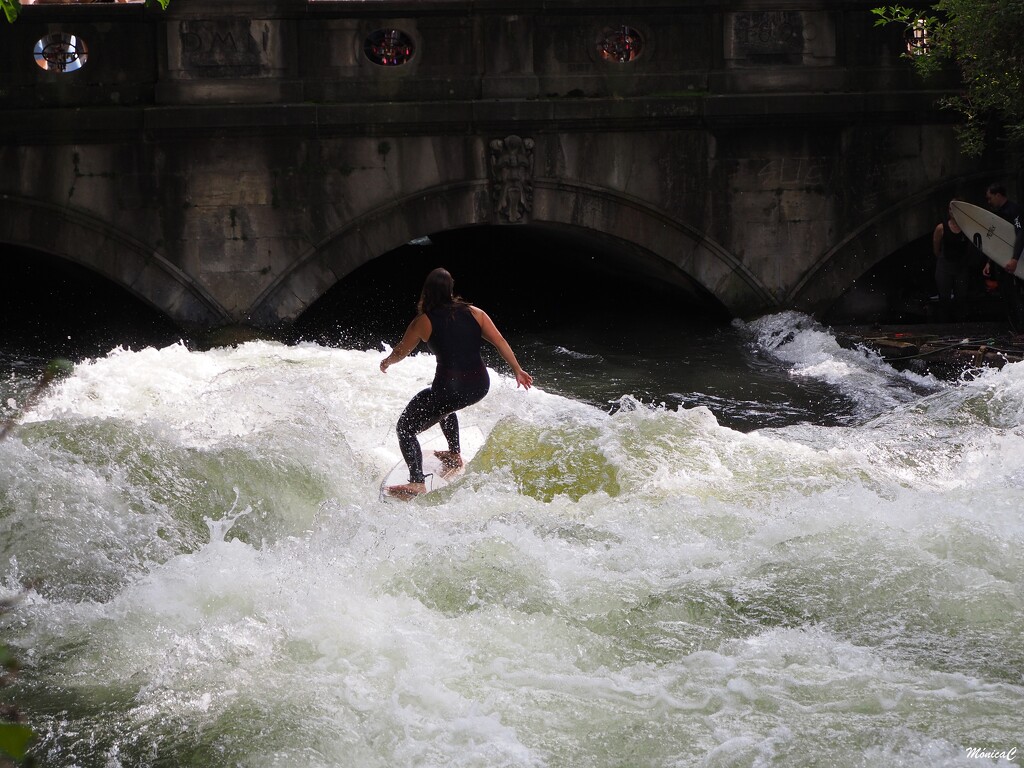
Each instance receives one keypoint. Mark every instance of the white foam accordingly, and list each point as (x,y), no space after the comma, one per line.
(220,583)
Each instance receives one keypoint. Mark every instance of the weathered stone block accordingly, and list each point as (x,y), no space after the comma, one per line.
(245,188)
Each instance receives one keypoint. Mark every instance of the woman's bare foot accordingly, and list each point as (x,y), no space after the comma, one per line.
(407,491)
(450,461)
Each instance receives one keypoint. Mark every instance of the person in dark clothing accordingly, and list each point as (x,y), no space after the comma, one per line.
(953,259)
(1009,286)
(453,330)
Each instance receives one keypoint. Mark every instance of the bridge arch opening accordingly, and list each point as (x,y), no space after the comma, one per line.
(533,278)
(901,290)
(55,307)
(896,290)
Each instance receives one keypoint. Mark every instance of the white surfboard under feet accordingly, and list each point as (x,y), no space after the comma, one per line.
(471,439)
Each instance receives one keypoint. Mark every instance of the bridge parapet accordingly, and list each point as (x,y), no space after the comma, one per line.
(290,51)
(250,146)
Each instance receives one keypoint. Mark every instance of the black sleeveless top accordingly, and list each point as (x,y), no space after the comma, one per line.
(455,337)
(954,244)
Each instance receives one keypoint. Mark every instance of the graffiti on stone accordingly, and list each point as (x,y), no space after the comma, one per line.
(794,173)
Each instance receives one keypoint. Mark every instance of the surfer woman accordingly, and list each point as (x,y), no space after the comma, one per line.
(452,329)
(952,266)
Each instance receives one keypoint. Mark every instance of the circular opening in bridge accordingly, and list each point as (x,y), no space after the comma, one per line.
(620,44)
(530,279)
(61,52)
(918,37)
(389,47)
(53,307)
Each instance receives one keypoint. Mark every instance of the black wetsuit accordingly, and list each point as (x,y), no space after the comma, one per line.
(953,273)
(1010,286)
(1012,212)
(460,380)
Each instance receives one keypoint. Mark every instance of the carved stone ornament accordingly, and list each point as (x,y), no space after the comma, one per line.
(512,178)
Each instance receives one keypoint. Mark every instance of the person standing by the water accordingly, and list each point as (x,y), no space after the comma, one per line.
(1009,286)
(953,254)
(452,329)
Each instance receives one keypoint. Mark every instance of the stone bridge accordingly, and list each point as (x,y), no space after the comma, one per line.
(230,161)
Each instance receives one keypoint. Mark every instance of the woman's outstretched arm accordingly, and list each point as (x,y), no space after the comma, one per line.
(418,330)
(493,335)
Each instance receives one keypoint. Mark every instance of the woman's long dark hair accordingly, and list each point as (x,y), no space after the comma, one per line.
(438,291)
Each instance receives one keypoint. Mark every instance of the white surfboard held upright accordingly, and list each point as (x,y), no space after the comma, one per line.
(991,234)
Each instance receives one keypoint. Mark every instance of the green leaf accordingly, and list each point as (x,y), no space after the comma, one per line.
(11,9)
(15,739)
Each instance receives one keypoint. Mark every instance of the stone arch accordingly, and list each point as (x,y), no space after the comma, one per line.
(554,203)
(872,242)
(75,236)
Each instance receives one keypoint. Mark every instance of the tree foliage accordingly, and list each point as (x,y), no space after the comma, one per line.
(984,39)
